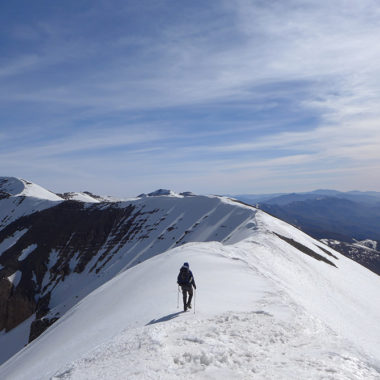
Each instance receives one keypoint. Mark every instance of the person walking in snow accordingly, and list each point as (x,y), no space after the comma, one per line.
(186,281)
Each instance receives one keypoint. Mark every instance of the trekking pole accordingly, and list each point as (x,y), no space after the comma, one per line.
(178,297)
(195,297)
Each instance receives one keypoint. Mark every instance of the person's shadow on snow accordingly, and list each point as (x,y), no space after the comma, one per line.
(165,318)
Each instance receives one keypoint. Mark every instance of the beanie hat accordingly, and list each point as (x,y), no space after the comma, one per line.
(186,265)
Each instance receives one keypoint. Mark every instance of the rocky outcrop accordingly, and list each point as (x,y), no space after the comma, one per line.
(19,308)
(39,326)
(5,293)
(15,306)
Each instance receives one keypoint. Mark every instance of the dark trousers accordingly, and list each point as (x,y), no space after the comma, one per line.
(187,291)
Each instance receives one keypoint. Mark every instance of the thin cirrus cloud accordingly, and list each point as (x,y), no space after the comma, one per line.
(236,91)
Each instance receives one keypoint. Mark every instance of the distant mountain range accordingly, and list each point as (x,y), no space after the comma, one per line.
(342,219)
(366,197)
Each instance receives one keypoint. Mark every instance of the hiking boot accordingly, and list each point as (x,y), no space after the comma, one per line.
(188,306)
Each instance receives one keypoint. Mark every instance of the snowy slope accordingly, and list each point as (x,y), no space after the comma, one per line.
(14,340)
(264,309)
(155,225)
(88,244)
(19,197)
(79,197)
(20,187)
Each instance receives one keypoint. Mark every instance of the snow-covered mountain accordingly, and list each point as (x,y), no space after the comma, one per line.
(10,187)
(19,197)
(86,196)
(272,302)
(51,259)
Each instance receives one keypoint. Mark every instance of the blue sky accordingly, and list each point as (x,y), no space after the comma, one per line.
(123,97)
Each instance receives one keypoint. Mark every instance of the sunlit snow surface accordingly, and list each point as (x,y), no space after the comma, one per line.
(247,324)
(81,197)
(20,187)
(19,197)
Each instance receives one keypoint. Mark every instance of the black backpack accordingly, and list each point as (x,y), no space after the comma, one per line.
(184,277)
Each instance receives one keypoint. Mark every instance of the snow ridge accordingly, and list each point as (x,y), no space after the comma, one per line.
(249,321)
(19,197)
(21,187)
(267,306)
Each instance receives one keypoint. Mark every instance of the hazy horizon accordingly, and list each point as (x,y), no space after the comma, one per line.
(147,191)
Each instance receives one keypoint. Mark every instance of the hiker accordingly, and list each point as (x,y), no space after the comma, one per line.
(186,281)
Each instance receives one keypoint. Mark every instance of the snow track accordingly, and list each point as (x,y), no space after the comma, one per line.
(244,345)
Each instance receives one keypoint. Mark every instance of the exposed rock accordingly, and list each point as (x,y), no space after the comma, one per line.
(4,195)
(39,326)
(15,306)
(19,308)
(160,192)
(307,250)
(187,194)
(5,293)
(43,306)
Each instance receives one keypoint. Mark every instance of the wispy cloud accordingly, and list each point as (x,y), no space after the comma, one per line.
(239,89)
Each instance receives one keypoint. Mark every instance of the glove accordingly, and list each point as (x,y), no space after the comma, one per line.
(194,287)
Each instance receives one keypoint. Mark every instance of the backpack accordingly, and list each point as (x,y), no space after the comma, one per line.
(185,277)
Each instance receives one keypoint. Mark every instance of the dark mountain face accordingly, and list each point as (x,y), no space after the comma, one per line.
(71,229)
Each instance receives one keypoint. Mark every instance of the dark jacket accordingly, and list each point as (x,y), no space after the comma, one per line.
(186,278)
